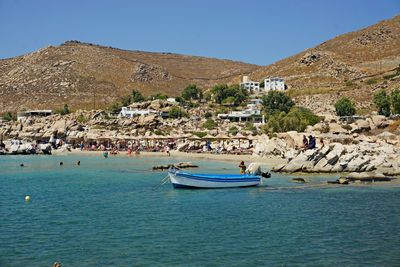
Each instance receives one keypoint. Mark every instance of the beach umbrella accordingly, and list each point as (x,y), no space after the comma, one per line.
(240,136)
(222,136)
(194,137)
(208,136)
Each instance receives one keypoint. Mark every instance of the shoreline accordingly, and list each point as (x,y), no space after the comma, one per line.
(269,161)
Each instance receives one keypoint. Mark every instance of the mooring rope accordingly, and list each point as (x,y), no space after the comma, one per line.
(163,181)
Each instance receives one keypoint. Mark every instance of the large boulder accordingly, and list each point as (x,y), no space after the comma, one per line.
(360,126)
(291,154)
(293,139)
(336,128)
(149,121)
(275,147)
(358,164)
(59,127)
(336,151)
(296,164)
(45,148)
(379,121)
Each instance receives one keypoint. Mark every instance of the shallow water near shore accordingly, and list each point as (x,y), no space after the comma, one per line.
(114,212)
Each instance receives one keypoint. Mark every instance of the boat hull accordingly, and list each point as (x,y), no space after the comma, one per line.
(186,180)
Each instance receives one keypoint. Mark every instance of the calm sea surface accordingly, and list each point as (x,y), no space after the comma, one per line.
(112,212)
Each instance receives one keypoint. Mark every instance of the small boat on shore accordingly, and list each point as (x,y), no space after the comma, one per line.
(180,179)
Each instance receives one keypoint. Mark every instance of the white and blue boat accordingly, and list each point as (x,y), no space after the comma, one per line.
(180,179)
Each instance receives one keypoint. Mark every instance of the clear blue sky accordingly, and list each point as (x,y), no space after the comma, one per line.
(259,32)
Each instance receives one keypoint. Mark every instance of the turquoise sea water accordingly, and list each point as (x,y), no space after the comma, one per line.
(112,212)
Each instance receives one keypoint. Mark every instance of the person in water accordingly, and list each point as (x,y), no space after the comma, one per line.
(242,167)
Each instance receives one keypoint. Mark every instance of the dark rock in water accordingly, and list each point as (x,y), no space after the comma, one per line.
(21,165)
(367,177)
(299,180)
(162,167)
(341,180)
(184,165)
(180,165)
(333,182)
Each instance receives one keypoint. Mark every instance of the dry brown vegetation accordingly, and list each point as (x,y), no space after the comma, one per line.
(355,65)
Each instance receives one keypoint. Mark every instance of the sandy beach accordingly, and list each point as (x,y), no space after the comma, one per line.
(266,162)
(269,161)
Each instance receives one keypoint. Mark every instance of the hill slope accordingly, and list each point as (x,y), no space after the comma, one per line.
(352,65)
(349,56)
(85,75)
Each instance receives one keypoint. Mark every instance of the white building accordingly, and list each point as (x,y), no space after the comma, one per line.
(274,84)
(131,112)
(254,103)
(33,113)
(249,85)
(251,114)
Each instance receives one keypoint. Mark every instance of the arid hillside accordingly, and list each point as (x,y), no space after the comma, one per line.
(353,64)
(86,76)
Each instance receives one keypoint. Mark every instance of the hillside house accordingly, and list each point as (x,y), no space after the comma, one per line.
(249,85)
(133,112)
(274,84)
(33,113)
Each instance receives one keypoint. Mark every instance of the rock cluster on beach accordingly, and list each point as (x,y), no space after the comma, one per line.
(356,144)
(348,147)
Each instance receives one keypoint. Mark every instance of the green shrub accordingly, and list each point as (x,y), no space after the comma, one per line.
(158,132)
(233,130)
(115,107)
(208,115)
(395,101)
(390,76)
(158,96)
(345,107)
(276,101)
(179,99)
(192,104)
(177,112)
(81,118)
(62,111)
(192,92)
(230,100)
(235,94)
(222,110)
(349,83)
(297,119)
(9,116)
(371,81)
(382,102)
(209,124)
(250,127)
(136,96)
(200,134)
